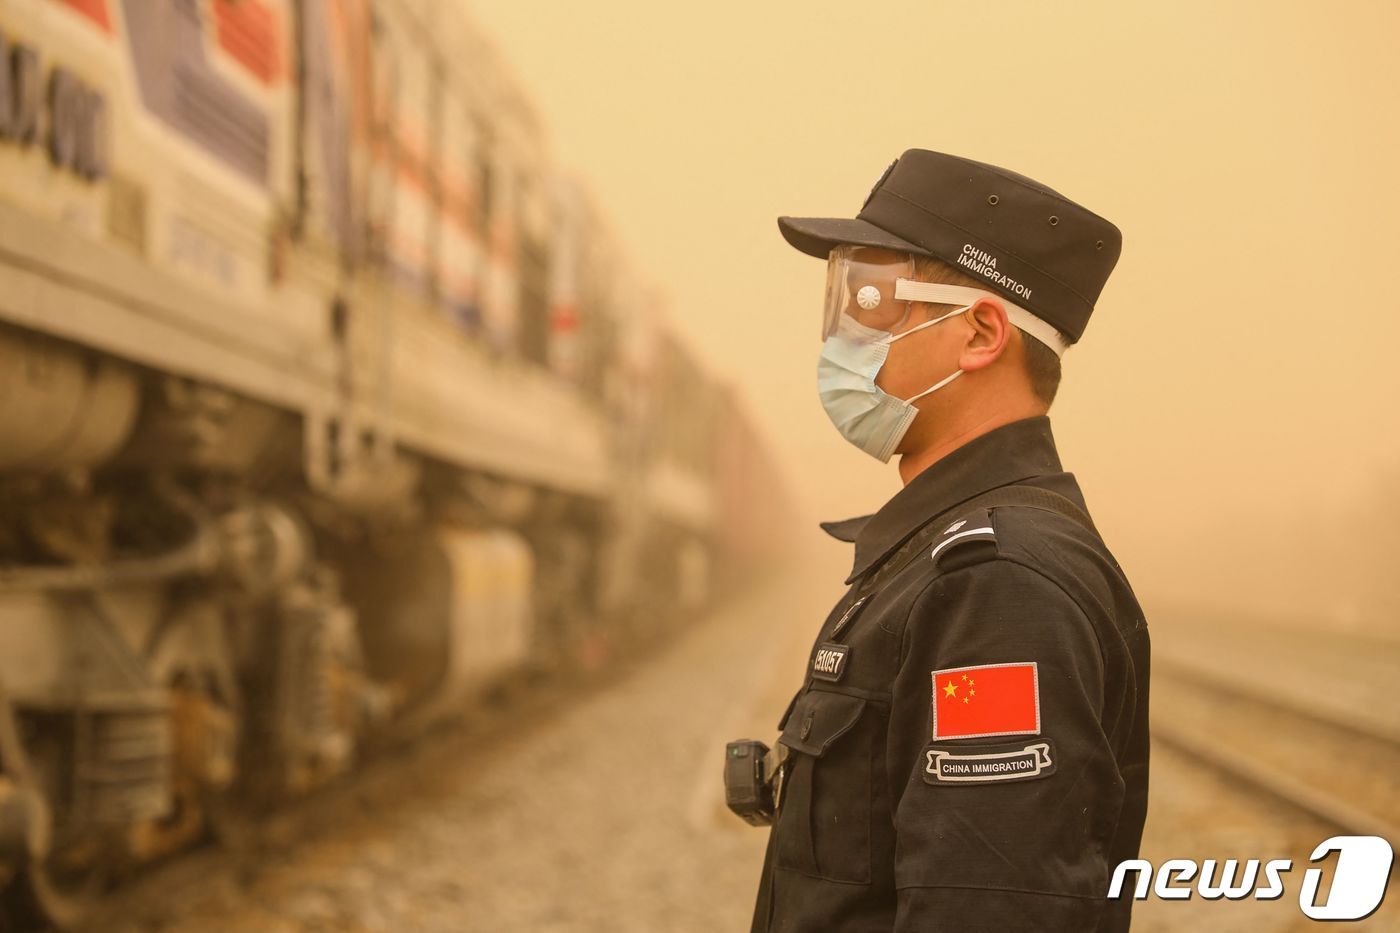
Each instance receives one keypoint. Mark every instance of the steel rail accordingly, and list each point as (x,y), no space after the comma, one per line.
(1331,808)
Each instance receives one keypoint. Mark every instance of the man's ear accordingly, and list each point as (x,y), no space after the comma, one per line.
(989,336)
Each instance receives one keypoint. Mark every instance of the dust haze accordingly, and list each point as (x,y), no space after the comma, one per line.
(1229,409)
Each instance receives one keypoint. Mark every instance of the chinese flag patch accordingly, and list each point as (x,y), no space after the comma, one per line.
(986,699)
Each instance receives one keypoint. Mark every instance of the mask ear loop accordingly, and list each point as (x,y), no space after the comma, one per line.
(942,317)
(935,387)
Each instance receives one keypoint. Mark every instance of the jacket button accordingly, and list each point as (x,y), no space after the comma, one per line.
(807,724)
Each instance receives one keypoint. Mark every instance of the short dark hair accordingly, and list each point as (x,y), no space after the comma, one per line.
(1042,364)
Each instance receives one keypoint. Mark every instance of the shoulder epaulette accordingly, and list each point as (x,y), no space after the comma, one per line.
(970,539)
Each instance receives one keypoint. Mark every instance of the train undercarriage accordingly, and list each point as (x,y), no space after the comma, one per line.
(191,630)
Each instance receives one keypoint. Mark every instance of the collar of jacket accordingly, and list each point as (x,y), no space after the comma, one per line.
(1009,454)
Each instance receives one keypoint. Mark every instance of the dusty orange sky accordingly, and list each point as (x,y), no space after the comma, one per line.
(1229,411)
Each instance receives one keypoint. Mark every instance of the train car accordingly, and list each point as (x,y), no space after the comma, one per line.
(757,517)
(326,402)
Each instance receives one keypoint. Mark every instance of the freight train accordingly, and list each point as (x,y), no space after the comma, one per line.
(326,402)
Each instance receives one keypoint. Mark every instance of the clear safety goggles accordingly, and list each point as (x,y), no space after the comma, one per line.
(877,288)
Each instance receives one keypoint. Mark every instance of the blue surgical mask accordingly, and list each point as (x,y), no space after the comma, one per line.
(864,413)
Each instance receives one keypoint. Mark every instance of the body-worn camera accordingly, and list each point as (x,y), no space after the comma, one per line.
(753,777)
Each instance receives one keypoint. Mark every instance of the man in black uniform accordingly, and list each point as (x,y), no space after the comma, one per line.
(968,751)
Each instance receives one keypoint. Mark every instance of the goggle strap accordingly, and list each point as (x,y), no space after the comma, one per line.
(940,294)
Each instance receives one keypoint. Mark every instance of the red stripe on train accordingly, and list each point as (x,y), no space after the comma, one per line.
(247,30)
(95,10)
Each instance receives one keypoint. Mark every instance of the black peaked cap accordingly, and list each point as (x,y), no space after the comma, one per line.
(1020,238)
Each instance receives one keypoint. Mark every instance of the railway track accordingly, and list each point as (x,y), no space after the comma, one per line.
(1342,770)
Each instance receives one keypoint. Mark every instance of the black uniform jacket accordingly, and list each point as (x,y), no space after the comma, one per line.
(969,749)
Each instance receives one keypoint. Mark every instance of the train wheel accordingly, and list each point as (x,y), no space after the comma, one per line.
(59,880)
(60,891)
